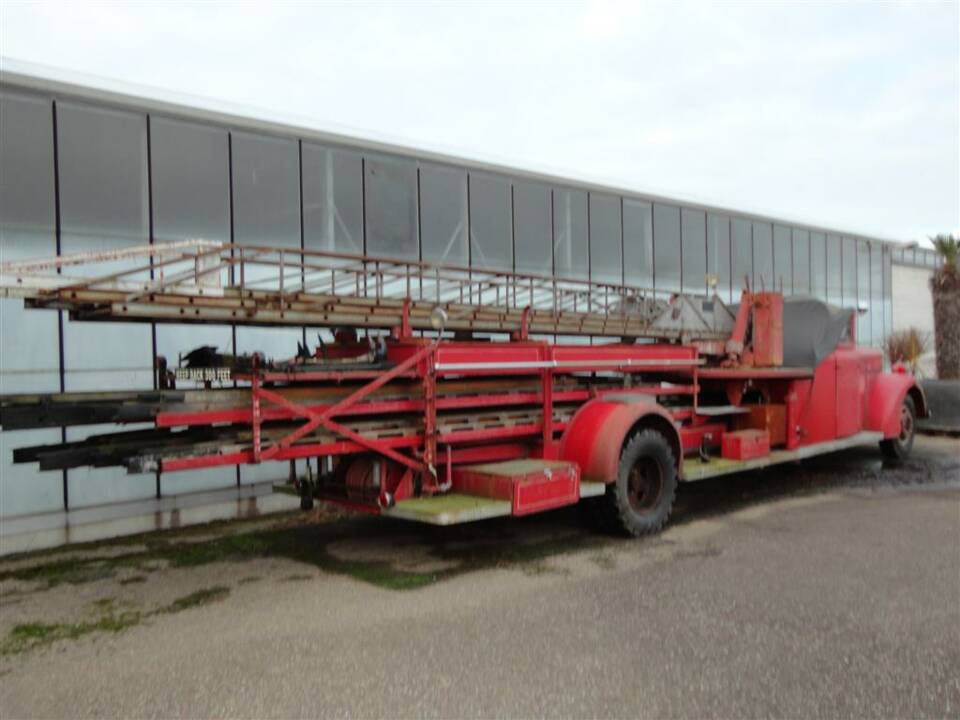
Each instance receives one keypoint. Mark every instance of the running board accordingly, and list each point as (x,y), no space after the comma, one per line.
(696,469)
(458,508)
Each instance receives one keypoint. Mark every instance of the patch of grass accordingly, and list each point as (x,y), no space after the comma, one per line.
(28,636)
(73,572)
(199,598)
(468,549)
(223,549)
(133,580)
(249,579)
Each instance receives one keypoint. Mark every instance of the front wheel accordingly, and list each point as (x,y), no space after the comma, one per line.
(897,449)
(640,500)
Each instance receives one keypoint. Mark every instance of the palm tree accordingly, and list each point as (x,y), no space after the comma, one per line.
(945,286)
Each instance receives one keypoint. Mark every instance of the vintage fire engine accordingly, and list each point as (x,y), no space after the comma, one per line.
(445,394)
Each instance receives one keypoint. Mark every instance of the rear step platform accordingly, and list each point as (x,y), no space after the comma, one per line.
(514,487)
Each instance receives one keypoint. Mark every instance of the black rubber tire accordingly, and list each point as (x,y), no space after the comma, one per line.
(897,449)
(640,500)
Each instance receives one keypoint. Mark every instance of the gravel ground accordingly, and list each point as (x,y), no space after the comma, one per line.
(826,589)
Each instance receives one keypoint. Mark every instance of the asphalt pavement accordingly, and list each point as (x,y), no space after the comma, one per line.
(825,590)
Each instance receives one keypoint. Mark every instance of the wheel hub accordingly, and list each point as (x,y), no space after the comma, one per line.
(645,485)
(906,424)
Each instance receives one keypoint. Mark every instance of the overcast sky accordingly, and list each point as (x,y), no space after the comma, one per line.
(845,115)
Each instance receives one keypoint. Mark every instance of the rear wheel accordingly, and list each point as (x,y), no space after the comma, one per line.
(640,500)
(897,449)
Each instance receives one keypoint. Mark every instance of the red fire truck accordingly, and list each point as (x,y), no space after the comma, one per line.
(449,395)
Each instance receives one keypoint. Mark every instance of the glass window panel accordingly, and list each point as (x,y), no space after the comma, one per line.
(834,261)
(191,198)
(864,320)
(666,248)
(26,190)
(266,210)
(742,255)
(532,228)
(491,221)
(27,230)
(638,243)
(763,277)
(818,265)
(694,243)
(103,177)
(887,293)
(606,239)
(31,362)
(103,203)
(266,191)
(190,169)
(391,208)
(443,215)
(332,200)
(718,252)
(782,259)
(848,281)
(876,294)
(801,261)
(571,251)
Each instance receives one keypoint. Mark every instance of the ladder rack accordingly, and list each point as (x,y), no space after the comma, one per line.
(201,281)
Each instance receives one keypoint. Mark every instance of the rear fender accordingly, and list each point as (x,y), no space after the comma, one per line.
(597,432)
(886,398)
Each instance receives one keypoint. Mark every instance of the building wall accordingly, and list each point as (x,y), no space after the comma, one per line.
(914,304)
(80,172)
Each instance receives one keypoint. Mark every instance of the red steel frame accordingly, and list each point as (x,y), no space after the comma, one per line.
(836,400)
(430,362)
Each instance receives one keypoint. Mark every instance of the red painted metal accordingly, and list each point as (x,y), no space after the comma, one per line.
(659,385)
(767,329)
(709,434)
(886,396)
(745,444)
(430,432)
(530,487)
(596,434)
(374,407)
(737,341)
(314,420)
(488,453)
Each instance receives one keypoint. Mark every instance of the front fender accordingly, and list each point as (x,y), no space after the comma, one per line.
(886,398)
(597,431)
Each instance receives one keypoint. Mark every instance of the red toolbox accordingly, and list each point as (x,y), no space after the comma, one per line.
(531,485)
(745,444)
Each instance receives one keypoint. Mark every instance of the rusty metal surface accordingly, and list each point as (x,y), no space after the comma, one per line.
(200,282)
